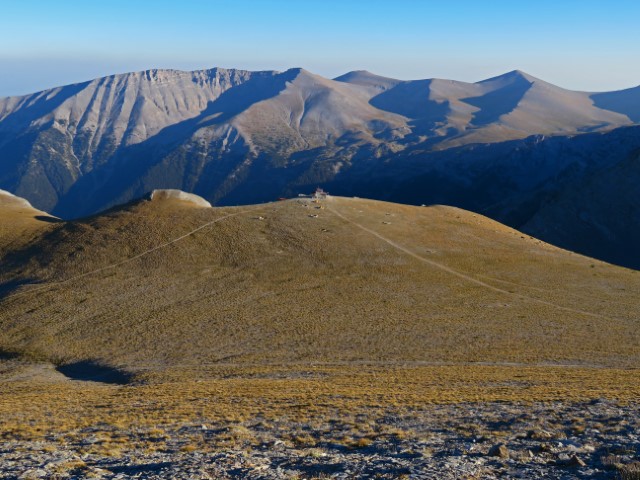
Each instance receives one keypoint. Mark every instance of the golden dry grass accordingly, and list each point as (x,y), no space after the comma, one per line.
(20,224)
(240,402)
(270,322)
(455,287)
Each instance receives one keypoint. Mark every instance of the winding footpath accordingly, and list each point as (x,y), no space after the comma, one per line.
(462,275)
(131,259)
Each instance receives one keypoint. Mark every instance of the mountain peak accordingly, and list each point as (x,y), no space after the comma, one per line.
(356,74)
(299,71)
(513,75)
(210,130)
(367,79)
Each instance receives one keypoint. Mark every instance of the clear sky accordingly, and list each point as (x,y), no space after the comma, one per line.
(584,45)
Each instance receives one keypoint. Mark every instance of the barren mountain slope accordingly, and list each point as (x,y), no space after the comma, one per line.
(601,214)
(51,139)
(168,282)
(227,134)
(122,109)
(510,106)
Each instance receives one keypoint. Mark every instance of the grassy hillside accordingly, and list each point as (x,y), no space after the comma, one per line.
(20,222)
(165,283)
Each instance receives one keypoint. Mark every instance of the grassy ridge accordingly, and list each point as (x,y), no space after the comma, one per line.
(362,281)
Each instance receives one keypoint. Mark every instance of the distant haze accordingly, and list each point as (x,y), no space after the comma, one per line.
(580,45)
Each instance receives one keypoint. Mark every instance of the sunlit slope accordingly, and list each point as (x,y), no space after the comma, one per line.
(167,282)
(19,221)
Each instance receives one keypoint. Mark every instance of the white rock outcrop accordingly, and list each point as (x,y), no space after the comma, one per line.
(8,198)
(173,194)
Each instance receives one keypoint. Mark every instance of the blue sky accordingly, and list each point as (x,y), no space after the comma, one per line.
(586,45)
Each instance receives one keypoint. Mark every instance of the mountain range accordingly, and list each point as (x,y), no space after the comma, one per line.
(557,164)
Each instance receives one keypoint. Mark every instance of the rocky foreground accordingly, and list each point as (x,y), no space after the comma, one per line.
(598,439)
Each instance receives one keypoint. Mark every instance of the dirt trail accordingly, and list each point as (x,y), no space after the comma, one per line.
(130,259)
(462,275)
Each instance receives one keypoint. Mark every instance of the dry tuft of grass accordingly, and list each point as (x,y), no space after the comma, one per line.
(630,471)
(248,406)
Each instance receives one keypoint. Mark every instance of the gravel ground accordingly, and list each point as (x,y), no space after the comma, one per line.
(600,439)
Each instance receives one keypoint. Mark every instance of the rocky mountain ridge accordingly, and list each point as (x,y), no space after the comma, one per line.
(505,146)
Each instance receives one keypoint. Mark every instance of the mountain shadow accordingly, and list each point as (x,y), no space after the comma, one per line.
(411,99)
(626,102)
(89,371)
(500,102)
